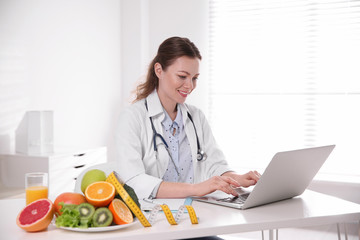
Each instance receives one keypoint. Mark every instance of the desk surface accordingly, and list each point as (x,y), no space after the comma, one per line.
(309,209)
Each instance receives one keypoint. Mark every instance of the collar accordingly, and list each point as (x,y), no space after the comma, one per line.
(154,104)
(168,123)
(155,107)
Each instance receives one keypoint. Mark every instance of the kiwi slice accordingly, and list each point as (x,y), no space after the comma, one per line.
(86,210)
(102,217)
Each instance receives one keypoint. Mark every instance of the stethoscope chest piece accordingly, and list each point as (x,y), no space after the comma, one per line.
(201,156)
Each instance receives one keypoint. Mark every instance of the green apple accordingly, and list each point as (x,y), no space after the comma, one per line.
(94,175)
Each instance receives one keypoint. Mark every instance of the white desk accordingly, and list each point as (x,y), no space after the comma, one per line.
(308,210)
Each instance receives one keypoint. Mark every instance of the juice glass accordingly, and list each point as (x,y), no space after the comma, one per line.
(36,186)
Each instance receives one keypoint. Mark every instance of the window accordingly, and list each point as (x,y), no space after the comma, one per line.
(285,75)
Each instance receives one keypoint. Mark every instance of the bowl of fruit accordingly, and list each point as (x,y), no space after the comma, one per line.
(98,208)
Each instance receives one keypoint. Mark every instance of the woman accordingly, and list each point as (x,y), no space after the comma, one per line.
(165,147)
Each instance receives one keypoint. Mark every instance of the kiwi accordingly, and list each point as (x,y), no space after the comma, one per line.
(102,217)
(86,210)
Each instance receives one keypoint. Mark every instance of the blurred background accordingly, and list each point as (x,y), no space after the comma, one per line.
(82,59)
(275,75)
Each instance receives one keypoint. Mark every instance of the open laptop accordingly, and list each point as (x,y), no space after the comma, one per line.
(287,175)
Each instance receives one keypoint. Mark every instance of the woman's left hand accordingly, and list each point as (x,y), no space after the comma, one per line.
(245,180)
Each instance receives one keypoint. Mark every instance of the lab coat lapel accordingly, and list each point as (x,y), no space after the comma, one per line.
(154,106)
(156,111)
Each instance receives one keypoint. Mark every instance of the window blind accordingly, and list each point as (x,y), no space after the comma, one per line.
(285,75)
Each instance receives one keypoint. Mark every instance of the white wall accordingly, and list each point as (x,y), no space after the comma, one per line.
(82,59)
(62,56)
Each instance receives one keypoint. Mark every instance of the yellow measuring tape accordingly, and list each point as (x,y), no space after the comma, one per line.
(114,179)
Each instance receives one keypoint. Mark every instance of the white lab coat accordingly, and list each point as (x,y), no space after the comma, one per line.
(136,162)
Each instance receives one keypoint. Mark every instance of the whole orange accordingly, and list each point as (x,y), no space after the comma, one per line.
(68,198)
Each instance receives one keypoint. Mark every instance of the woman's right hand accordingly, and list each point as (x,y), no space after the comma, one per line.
(222,183)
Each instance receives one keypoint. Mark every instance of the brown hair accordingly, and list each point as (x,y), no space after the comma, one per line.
(171,49)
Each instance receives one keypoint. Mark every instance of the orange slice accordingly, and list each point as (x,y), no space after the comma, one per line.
(100,194)
(121,213)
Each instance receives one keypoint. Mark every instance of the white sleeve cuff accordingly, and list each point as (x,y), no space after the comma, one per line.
(144,185)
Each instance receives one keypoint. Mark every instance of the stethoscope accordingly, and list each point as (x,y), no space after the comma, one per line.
(200,156)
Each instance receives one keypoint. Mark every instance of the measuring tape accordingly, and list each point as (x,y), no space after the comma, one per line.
(115,180)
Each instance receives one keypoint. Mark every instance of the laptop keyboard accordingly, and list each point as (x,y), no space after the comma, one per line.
(238,199)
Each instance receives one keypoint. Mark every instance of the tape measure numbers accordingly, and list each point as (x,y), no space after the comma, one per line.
(114,179)
(168,214)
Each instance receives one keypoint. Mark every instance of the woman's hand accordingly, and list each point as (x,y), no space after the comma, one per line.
(245,180)
(222,183)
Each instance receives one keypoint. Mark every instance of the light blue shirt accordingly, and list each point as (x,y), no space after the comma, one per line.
(181,168)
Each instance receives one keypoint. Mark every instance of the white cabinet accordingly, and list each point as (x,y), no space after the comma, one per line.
(63,167)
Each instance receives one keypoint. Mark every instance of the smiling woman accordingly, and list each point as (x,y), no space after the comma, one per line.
(166,145)
(176,82)
(171,49)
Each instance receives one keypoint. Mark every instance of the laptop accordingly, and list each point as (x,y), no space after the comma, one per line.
(287,175)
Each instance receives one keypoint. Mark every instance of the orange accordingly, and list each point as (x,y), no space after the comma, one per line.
(100,194)
(36,216)
(120,212)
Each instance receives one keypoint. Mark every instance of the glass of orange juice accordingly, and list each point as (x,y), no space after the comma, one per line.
(36,186)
